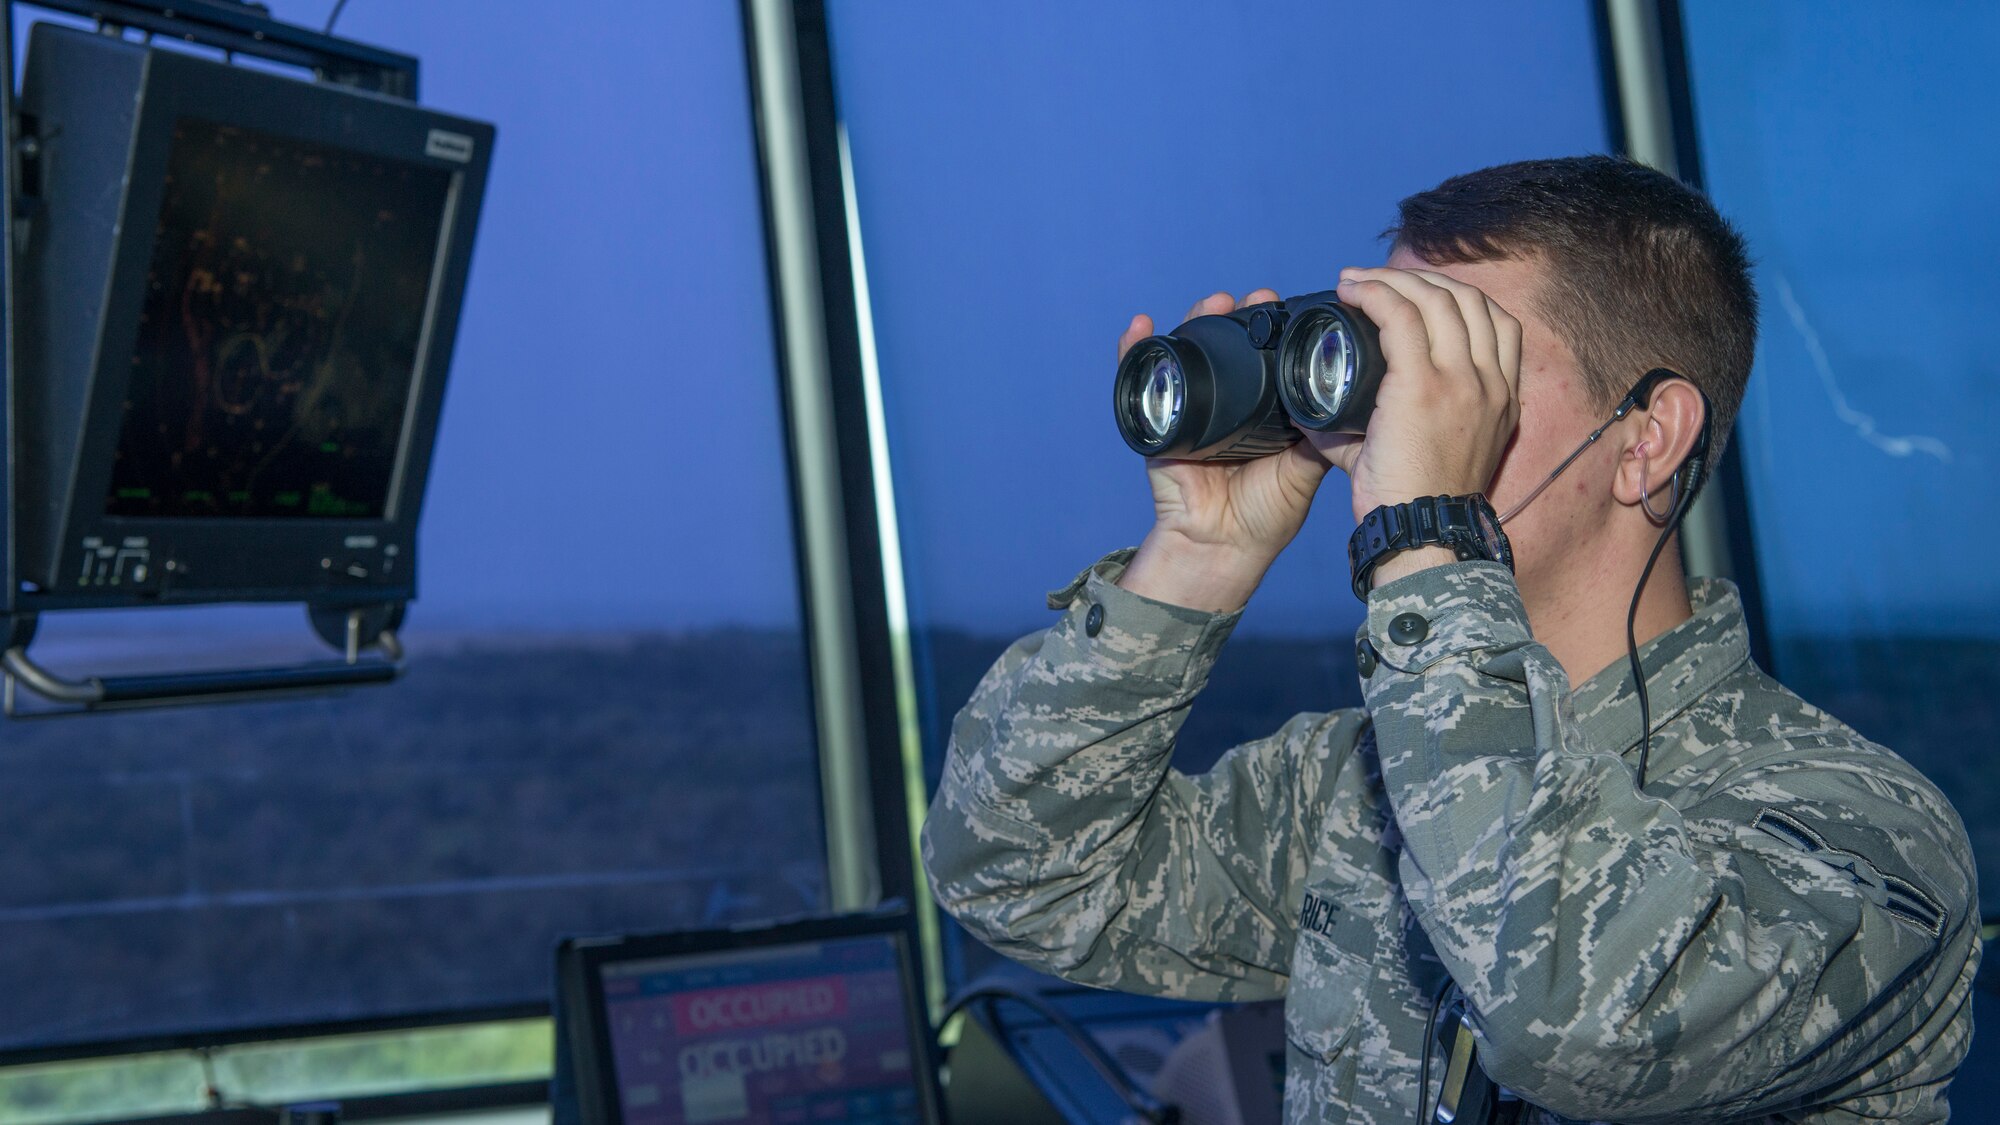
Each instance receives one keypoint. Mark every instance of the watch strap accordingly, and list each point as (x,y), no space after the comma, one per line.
(1445,521)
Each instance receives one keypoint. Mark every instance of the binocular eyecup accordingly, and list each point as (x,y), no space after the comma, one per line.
(1227,387)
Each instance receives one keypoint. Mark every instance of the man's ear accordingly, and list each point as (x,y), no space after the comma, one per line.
(1657,441)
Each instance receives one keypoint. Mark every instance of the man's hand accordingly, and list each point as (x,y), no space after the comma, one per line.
(1447,406)
(1217,526)
(1449,403)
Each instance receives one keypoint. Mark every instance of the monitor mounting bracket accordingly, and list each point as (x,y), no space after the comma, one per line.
(352,630)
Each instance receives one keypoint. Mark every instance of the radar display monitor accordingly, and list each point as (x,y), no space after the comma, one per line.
(277,344)
(238,297)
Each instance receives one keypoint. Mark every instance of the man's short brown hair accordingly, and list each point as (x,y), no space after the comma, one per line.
(1642,272)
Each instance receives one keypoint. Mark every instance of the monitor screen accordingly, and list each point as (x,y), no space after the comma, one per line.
(278,337)
(804,1032)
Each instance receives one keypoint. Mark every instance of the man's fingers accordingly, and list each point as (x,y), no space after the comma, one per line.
(1450,344)
(1212,305)
(1476,309)
(1140,328)
(1406,343)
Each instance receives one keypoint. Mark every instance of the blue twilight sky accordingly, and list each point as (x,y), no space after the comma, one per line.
(1855,144)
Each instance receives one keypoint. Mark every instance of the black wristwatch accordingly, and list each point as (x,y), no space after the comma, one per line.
(1466,524)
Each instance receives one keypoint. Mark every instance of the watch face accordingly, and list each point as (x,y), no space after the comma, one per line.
(1491,538)
(1489,531)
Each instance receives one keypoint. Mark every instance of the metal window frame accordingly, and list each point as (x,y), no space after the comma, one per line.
(852,586)
(1649,114)
(475,1092)
(373,1107)
(265,1034)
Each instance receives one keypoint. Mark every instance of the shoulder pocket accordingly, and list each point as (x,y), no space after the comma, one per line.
(1902,898)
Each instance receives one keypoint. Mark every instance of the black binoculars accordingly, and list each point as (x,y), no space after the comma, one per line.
(1227,387)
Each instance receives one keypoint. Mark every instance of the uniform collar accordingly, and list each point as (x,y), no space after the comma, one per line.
(1682,665)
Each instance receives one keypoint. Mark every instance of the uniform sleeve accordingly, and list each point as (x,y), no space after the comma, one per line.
(1060,836)
(1626,961)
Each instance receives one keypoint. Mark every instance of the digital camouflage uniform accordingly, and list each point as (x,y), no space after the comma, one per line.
(1781,927)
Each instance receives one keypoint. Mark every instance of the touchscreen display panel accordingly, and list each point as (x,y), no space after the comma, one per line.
(277,346)
(782,1035)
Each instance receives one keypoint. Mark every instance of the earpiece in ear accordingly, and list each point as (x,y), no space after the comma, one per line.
(1693,470)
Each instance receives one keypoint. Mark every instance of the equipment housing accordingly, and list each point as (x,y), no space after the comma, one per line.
(237,299)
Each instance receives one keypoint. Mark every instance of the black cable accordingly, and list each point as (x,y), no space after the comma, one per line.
(1131,1093)
(1632,646)
(1692,474)
(1430,1048)
(1696,466)
(1694,470)
(332,19)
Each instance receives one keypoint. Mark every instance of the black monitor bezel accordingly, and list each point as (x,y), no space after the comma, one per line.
(219,558)
(579,981)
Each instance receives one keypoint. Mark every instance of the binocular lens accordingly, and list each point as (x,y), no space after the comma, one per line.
(1330,372)
(1229,386)
(1162,397)
(1329,364)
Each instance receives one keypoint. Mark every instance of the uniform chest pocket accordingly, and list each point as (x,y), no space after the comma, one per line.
(1330,977)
